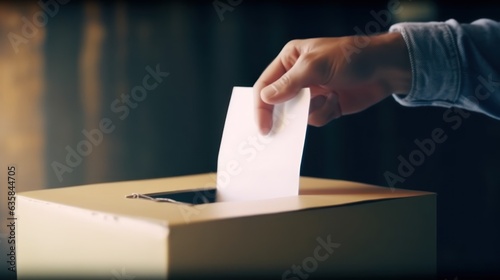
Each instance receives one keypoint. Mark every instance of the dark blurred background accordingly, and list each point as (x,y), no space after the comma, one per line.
(63,74)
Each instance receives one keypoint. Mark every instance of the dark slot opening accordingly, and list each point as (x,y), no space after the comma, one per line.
(194,197)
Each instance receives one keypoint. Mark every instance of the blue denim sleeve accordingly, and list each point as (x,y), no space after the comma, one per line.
(453,65)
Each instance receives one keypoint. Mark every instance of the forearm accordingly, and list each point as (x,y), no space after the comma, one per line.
(453,65)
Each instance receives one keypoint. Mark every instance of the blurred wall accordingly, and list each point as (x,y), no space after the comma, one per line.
(64,84)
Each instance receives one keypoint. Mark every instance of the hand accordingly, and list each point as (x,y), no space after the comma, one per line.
(344,75)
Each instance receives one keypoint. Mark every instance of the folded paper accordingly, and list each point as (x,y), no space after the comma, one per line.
(253,166)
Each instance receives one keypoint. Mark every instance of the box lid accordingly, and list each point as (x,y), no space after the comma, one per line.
(110,199)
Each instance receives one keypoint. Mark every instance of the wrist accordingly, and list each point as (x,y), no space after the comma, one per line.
(392,63)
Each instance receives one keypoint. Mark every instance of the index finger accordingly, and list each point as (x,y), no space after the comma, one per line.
(264,111)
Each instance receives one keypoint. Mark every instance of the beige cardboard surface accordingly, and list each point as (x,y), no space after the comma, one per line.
(110,198)
(95,232)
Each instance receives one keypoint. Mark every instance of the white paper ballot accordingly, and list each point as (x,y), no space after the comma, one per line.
(252,166)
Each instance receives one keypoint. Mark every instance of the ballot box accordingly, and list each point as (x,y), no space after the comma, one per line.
(174,228)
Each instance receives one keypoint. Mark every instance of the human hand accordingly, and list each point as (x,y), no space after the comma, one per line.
(343,78)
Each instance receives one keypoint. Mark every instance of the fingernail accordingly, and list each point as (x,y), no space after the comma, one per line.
(265,127)
(264,131)
(268,92)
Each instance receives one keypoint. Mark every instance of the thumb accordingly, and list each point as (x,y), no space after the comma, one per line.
(288,85)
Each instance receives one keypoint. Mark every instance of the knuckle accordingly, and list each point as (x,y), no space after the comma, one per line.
(284,81)
(316,65)
(292,43)
(289,54)
(258,85)
(289,48)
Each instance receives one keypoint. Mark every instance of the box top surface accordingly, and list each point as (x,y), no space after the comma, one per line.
(110,198)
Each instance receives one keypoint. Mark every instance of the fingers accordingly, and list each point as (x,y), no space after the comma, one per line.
(282,80)
(272,73)
(289,84)
(286,85)
(323,109)
(264,111)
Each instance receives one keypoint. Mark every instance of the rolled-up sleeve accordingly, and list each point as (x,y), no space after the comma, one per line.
(453,65)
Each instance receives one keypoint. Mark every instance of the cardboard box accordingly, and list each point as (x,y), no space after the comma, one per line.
(333,228)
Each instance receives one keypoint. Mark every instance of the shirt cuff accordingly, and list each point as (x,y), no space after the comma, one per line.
(435,64)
